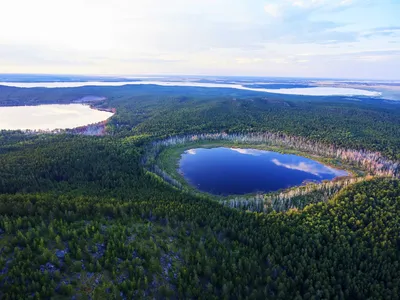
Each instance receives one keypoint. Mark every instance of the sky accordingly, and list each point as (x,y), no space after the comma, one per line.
(289,38)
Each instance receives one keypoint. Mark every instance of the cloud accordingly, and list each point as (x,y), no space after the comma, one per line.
(272,9)
(372,56)
(249,60)
(297,22)
(305,7)
(377,55)
(300,22)
(322,4)
(156,59)
(279,60)
(216,37)
(28,53)
(382,31)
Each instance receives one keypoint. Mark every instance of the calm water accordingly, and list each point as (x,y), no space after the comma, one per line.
(228,171)
(50,117)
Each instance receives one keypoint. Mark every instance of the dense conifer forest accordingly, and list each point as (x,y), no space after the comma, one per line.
(82,217)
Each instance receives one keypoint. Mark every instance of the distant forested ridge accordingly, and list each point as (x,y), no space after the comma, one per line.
(80,216)
(351,122)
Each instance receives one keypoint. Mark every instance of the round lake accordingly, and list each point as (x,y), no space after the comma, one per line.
(234,171)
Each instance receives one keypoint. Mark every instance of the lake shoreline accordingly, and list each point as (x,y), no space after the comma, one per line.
(227,171)
(73,114)
(168,161)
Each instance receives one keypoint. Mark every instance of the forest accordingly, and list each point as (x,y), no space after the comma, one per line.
(82,217)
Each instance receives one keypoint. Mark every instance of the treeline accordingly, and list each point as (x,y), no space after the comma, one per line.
(298,197)
(373,163)
(95,129)
(294,198)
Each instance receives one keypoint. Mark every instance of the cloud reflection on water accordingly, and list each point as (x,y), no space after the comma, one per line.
(315,169)
(191,151)
(253,152)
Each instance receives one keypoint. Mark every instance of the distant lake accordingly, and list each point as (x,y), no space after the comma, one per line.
(234,171)
(50,117)
(310,91)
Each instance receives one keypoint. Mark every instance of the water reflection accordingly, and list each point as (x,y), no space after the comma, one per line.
(253,152)
(241,171)
(50,117)
(312,168)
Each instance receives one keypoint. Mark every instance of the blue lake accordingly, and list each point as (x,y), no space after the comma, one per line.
(234,171)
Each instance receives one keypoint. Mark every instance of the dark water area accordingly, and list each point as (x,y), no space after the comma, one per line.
(233,171)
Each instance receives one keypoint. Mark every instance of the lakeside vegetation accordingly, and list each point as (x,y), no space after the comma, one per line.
(168,159)
(80,216)
(162,158)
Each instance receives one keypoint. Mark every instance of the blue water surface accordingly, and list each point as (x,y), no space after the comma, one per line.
(234,171)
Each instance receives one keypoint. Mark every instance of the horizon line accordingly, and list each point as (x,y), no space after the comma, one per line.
(125,76)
